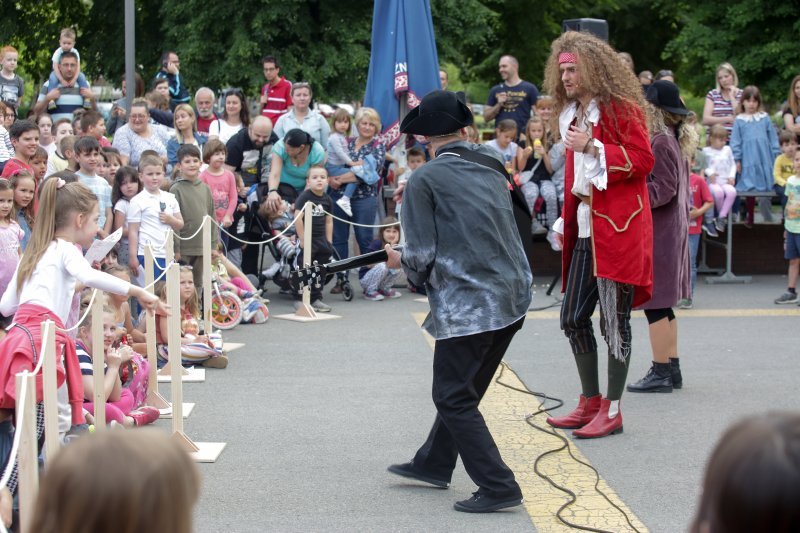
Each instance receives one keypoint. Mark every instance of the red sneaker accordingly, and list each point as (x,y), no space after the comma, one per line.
(582,415)
(602,425)
(144,415)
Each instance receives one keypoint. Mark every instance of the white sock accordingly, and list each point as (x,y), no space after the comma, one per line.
(613,409)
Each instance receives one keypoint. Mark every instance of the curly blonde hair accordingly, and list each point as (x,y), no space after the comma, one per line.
(661,121)
(603,73)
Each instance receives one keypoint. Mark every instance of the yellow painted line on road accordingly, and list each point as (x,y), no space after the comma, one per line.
(688,313)
(504,411)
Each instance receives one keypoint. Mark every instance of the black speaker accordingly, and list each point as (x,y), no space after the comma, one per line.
(597,27)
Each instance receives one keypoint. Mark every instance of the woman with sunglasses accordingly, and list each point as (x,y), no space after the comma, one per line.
(235,117)
(303,117)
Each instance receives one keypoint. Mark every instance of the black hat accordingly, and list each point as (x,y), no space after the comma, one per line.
(666,95)
(439,113)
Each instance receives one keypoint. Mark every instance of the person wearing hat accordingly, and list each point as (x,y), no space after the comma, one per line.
(476,305)
(673,142)
(606,226)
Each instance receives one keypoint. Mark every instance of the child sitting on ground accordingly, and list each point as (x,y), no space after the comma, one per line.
(377,280)
(195,349)
(230,277)
(120,401)
(505,133)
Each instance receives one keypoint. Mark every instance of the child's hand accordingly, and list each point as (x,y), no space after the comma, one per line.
(6,504)
(264,99)
(164,218)
(242,208)
(393,259)
(227,220)
(738,167)
(114,358)
(152,303)
(125,353)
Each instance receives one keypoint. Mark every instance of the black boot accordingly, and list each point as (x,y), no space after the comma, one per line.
(675,371)
(657,379)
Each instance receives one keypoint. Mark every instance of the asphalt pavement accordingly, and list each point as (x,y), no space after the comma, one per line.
(313,413)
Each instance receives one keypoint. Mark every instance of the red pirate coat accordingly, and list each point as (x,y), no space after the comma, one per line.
(621,222)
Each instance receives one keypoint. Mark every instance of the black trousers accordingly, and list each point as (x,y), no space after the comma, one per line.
(581,298)
(463,368)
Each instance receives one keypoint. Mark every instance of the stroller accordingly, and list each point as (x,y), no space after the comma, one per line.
(261,229)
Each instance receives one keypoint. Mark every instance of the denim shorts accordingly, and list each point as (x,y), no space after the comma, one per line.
(792,245)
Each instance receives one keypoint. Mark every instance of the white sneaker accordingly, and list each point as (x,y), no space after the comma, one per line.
(537,228)
(344,205)
(272,270)
(320,307)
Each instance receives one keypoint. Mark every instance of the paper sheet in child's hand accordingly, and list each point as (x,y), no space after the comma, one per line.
(100,248)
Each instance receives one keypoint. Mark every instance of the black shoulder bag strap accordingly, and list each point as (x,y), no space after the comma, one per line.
(522,215)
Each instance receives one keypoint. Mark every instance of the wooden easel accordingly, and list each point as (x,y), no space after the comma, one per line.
(203,452)
(154,398)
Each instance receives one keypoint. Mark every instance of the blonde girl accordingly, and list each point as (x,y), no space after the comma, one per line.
(120,404)
(194,349)
(43,286)
(537,168)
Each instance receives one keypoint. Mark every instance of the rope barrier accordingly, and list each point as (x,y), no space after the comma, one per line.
(15,445)
(362,225)
(234,237)
(77,325)
(193,235)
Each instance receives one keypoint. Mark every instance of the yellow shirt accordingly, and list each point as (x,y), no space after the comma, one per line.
(782,170)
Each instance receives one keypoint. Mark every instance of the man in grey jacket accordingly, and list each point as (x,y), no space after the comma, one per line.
(462,243)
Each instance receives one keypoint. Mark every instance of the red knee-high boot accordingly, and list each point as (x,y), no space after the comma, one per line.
(582,415)
(601,425)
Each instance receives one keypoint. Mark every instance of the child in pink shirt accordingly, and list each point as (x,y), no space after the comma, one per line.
(221,181)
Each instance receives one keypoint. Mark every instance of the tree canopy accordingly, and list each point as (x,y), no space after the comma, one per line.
(328,44)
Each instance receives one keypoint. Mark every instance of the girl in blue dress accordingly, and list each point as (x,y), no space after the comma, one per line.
(755,146)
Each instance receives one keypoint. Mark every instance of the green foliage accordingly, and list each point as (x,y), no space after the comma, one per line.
(327,42)
(758,37)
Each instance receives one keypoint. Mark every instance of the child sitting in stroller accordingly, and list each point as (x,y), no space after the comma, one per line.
(285,246)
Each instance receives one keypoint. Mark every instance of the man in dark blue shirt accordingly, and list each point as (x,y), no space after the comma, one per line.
(513,98)
(170,70)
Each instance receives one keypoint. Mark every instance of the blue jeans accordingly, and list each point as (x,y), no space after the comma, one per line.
(694,245)
(364,211)
(159,265)
(53,83)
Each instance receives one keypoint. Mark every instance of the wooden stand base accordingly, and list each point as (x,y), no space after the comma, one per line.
(200,452)
(166,412)
(421,300)
(305,313)
(190,375)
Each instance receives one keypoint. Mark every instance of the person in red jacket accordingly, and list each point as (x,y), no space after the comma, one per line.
(606,227)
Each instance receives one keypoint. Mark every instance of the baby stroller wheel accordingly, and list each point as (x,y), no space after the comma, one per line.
(226,310)
(347,291)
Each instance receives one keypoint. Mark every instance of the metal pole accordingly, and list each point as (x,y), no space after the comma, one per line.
(130,53)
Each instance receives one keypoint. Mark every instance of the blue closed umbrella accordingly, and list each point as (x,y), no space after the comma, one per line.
(404,64)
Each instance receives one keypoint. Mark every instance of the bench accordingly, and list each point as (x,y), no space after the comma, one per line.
(728,276)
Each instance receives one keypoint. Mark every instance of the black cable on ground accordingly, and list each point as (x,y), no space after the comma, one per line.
(566,445)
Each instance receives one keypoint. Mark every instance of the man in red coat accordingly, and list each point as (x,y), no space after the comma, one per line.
(606,226)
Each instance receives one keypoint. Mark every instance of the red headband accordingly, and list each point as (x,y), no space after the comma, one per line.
(567,57)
